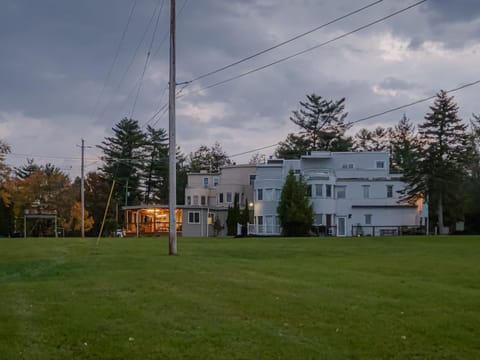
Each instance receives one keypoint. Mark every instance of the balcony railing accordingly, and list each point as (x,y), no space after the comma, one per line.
(256,229)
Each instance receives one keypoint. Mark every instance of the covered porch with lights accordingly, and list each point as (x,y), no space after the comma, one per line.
(149,220)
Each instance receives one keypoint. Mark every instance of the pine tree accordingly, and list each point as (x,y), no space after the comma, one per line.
(294,209)
(155,171)
(403,145)
(376,140)
(323,127)
(209,158)
(123,160)
(233,216)
(442,161)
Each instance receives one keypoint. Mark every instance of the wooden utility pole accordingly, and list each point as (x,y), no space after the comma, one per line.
(82,190)
(172,160)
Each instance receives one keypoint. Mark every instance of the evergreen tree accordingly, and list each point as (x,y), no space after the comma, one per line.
(376,140)
(403,145)
(294,209)
(293,147)
(245,215)
(233,216)
(123,160)
(209,158)
(472,225)
(323,127)
(155,172)
(441,161)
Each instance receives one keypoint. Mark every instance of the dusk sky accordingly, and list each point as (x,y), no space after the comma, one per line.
(58,84)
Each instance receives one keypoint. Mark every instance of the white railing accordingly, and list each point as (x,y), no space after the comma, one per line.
(255,229)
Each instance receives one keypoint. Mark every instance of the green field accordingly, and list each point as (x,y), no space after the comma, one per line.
(256,298)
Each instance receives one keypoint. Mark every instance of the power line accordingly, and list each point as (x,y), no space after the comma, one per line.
(134,56)
(114,58)
(47,156)
(163,107)
(296,37)
(310,48)
(413,103)
(167,32)
(146,61)
(473,83)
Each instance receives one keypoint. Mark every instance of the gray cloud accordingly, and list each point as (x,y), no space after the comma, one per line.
(56,54)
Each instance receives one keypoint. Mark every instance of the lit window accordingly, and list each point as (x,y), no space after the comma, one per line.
(193,217)
(389,191)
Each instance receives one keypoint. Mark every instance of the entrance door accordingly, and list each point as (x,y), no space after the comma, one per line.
(341,226)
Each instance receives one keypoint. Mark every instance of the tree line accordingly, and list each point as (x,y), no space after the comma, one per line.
(439,159)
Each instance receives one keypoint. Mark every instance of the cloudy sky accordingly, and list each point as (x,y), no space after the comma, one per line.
(58,85)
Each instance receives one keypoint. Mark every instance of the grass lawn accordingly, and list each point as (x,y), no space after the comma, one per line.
(256,298)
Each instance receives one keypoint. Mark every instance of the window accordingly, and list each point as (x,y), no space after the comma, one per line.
(205,182)
(368,219)
(347,166)
(309,190)
(278,194)
(268,196)
(203,200)
(242,198)
(328,191)
(328,219)
(319,190)
(259,194)
(318,219)
(195,199)
(366,191)
(229,197)
(189,200)
(260,220)
(220,198)
(215,181)
(194,217)
(380,164)
(389,191)
(252,179)
(341,192)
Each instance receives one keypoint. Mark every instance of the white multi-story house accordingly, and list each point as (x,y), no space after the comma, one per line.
(212,194)
(352,193)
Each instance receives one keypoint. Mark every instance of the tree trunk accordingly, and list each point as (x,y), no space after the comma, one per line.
(440,215)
